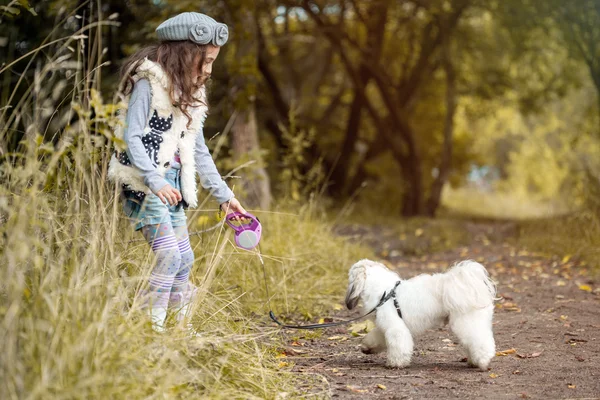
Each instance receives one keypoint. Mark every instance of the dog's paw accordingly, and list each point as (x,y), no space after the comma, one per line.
(371,350)
(394,365)
(366,350)
(402,361)
(483,366)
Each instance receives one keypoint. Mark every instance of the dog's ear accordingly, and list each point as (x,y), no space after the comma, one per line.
(356,283)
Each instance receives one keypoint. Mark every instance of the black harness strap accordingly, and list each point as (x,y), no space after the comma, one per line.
(386,296)
(397,307)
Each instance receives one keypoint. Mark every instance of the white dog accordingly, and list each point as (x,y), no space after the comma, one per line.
(463,296)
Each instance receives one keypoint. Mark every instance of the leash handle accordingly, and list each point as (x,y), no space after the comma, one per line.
(252,225)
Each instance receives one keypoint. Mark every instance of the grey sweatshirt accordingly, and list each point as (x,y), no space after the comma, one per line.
(137,116)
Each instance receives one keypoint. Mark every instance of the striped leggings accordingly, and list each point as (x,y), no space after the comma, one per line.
(168,284)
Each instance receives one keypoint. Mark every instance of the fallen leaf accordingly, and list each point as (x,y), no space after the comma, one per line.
(585,288)
(561,283)
(493,375)
(570,386)
(380,386)
(566,258)
(282,364)
(516,372)
(362,327)
(506,352)
(338,307)
(418,232)
(355,389)
(575,340)
(334,337)
(532,355)
(564,317)
(579,358)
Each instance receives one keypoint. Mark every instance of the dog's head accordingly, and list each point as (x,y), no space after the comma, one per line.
(367,280)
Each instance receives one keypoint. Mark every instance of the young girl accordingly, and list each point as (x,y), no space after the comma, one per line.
(164,87)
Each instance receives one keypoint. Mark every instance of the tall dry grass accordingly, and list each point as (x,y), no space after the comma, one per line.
(70,264)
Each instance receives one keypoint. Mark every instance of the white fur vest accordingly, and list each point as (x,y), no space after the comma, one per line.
(166,131)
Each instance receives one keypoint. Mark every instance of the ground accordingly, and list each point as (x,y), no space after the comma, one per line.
(546,323)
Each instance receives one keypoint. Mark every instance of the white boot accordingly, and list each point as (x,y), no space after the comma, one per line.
(158,316)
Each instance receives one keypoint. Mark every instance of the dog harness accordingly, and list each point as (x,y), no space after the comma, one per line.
(396,304)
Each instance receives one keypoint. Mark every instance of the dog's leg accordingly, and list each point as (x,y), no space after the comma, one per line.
(474,332)
(374,342)
(398,339)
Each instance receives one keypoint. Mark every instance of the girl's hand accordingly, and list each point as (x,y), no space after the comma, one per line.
(169,194)
(232,205)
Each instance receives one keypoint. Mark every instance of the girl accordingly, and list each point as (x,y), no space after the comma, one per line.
(164,87)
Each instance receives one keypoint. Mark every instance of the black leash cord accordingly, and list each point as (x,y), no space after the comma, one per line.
(386,296)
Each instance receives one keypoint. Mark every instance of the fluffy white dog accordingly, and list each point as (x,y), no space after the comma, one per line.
(462,297)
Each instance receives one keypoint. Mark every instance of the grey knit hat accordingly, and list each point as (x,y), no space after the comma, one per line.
(197,27)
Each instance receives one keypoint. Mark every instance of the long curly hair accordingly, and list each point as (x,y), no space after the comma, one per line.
(177,59)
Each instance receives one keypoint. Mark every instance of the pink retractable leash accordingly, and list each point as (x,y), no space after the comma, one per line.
(247,234)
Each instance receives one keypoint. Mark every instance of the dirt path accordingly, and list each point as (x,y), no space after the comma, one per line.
(548,320)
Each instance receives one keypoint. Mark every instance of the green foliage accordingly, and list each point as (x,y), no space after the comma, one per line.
(298,180)
(13,8)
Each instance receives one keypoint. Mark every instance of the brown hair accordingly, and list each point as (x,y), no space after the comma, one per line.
(176,59)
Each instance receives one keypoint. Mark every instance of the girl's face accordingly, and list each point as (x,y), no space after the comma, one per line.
(202,72)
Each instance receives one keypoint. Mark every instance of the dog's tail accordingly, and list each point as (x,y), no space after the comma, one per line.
(468,286)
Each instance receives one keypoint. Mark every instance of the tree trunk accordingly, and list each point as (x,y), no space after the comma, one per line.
(255,187)
(412,200)
(339,174)
(446,154)
(375,149)
(373,49)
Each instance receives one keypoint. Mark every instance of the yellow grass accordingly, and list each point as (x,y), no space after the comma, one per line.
(70,266)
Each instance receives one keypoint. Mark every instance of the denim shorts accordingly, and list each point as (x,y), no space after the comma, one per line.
(152,211)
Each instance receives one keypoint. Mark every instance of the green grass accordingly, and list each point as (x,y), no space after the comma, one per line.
(70,271)
(549,227)
(576,236)
(69,275)
(473,203)
(416,236)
